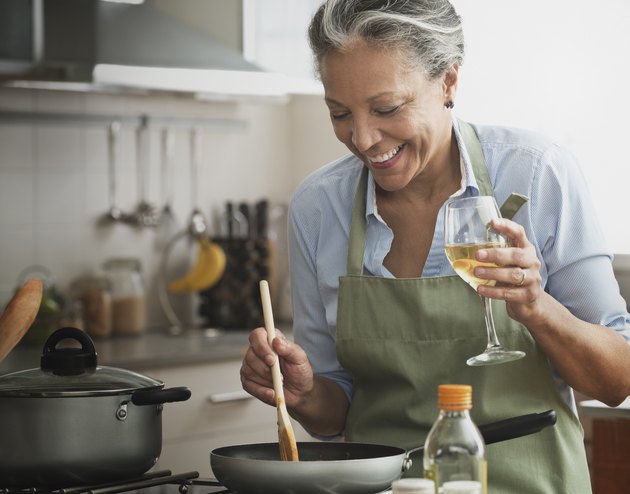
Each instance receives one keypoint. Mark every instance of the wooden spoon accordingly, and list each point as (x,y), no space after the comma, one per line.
(19,314)
(286,436)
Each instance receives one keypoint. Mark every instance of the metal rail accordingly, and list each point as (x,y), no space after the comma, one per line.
(61,118)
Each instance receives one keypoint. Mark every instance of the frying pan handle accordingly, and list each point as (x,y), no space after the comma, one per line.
(503,430)
(160,396)
(512,428)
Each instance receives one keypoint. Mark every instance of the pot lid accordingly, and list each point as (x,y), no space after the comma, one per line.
(72,371)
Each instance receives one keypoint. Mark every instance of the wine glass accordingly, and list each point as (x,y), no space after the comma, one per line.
(466,231)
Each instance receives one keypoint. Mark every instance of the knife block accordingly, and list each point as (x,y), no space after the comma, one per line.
(234,302)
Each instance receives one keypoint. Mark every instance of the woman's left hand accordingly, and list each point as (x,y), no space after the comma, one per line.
(517,275)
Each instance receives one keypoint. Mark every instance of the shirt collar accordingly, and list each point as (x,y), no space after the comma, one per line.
(469,182)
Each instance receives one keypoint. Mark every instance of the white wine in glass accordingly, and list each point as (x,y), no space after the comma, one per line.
(466,231)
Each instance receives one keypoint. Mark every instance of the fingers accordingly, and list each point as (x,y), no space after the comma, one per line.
(255,372)
(256,367)
(513,231)
(517,271)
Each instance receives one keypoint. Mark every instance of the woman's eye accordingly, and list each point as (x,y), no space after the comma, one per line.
(338,115)
(387,111)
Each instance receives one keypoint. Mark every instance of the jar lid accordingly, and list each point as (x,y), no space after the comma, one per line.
(413,486)
(454,397)
(71,371)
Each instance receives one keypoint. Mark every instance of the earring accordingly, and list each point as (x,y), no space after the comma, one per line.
(449,104)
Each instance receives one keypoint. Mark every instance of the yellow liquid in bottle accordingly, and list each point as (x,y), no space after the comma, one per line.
(433,473)
(462,258)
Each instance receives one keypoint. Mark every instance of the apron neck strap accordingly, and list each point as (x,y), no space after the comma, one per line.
(477,159)
(356,246)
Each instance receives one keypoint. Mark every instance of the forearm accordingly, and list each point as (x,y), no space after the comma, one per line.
(323,410)
(591,358)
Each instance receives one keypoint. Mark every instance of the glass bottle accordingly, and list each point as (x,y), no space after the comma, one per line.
(128,303)
(454,448)
(413,486)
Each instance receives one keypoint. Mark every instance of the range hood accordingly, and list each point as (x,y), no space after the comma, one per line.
(105,45)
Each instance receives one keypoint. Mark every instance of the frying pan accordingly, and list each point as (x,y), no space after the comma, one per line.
(341,468)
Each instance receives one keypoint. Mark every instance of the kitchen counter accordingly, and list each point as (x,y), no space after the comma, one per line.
(153,349)
(597,409)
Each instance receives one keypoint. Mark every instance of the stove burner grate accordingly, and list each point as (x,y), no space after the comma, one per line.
(152,479)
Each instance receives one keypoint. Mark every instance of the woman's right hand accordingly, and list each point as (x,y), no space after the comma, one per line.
(256,369)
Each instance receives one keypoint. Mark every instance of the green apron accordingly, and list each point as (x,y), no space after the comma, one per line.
(400,338)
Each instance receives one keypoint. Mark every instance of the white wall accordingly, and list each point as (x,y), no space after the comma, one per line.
(559,67)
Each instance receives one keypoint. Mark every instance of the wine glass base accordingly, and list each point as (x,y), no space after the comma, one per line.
(491,357)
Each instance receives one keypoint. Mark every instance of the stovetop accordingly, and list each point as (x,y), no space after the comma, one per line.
(159,482)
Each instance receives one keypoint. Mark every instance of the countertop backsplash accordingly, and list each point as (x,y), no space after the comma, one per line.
(54,179)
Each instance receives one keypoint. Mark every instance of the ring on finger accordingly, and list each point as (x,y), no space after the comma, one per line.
(520,283)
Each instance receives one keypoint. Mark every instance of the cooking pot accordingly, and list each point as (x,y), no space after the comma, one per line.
(339,467)
(73,422)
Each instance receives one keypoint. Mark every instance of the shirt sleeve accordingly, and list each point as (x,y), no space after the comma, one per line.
(313,328)
(572,245)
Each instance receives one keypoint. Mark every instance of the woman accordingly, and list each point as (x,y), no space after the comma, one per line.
(380,319)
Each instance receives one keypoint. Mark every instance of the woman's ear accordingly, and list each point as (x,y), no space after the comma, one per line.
(449,83)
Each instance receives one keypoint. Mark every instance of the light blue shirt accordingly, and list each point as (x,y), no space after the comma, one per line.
(559,220)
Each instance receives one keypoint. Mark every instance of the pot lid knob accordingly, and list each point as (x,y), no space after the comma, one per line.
(71,360)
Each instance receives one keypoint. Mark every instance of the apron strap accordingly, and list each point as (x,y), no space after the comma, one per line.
(356,247)
(478,160)
(512,204)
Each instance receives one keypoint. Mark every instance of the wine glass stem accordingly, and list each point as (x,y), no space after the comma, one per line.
(493,340)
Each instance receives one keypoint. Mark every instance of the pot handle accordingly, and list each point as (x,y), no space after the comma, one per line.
(160,396)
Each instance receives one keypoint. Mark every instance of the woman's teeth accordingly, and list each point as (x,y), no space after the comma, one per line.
(385,156)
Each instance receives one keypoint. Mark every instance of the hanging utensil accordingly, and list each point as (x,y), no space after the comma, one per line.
(146,214)
(198,225)
(286,436)
(113,130)
(168,224)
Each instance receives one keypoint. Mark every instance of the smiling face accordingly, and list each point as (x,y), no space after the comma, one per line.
(387,114)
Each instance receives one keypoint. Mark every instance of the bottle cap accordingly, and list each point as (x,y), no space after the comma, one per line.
(413,486)
(454,397)
(461,487)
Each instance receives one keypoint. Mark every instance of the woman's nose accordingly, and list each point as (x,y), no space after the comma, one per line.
(364,134)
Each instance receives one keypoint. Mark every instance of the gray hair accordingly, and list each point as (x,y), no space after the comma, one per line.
(429,31)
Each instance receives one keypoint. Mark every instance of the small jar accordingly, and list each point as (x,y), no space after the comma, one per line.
(413,486)
(93,293)
(462,487)
(127,295)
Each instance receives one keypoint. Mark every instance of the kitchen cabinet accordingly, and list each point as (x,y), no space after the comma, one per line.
(219,413)
(610,445)
(611,456)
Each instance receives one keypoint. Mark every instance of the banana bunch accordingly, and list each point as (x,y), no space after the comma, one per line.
(205,273)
